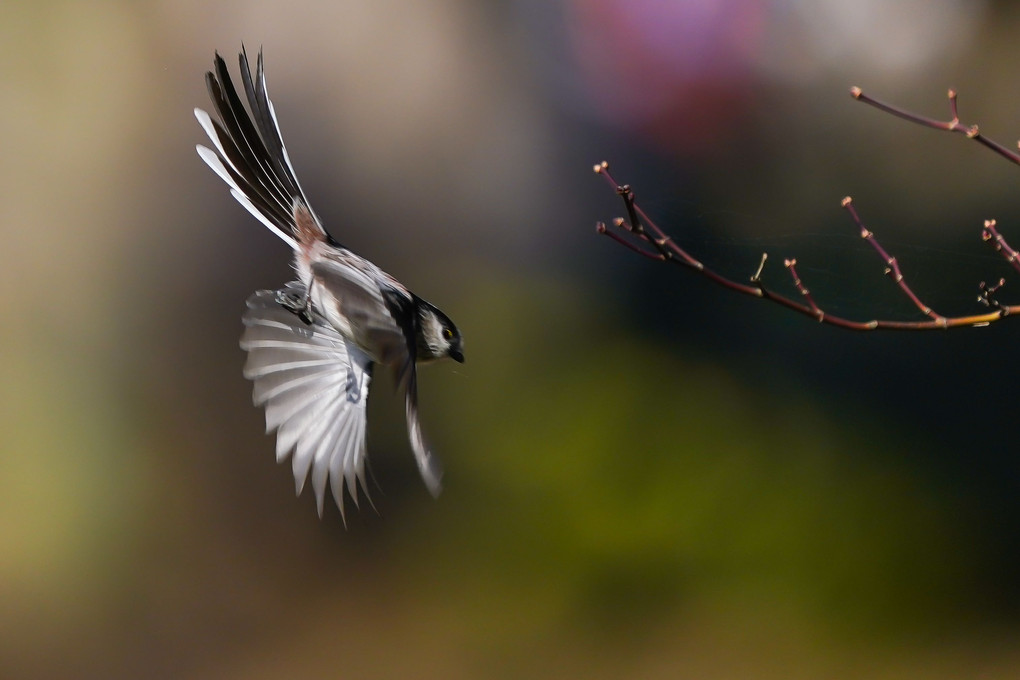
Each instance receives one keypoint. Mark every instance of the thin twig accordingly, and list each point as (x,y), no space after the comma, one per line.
(991,233)
(893,268)
(986,294)
(791,266)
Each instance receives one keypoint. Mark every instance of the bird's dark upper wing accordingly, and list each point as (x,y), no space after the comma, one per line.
(372,307)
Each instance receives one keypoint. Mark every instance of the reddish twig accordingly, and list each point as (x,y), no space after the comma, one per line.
(951,125)
(643,230)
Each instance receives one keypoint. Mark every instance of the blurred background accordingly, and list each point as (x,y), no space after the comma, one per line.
(647,476)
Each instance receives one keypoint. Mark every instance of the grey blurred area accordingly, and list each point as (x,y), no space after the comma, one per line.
(646,476)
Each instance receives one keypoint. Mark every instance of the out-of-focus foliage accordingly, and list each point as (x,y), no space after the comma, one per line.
(645,478)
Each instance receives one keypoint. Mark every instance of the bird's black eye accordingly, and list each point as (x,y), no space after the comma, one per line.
(448,334)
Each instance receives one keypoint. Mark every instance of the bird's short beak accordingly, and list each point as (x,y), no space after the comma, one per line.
(457,355)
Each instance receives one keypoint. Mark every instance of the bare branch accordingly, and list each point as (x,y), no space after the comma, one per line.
(665,250)
(641,229)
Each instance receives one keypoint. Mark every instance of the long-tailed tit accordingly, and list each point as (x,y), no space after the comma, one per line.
(312,344)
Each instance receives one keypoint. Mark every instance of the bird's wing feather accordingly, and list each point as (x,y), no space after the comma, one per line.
(314,384)
(428,463)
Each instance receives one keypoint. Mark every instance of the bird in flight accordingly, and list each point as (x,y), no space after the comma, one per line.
(313,343)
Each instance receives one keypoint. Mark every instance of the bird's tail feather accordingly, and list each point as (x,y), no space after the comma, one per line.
(249,152)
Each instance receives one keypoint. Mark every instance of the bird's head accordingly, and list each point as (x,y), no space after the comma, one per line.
(438,336)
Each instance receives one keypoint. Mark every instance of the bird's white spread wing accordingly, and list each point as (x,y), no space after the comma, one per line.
(314,386)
